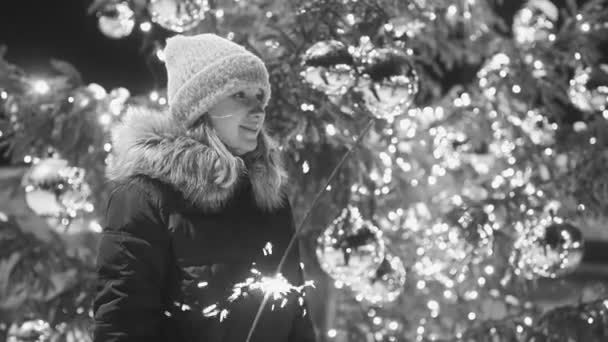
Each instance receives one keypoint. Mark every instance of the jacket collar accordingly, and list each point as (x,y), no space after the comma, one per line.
(154,144)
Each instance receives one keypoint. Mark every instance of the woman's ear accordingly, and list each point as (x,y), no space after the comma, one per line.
(199,121)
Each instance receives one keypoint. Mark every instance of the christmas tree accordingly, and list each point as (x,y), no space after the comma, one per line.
(447,160)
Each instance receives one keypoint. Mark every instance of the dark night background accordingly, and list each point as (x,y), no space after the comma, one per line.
(35,31)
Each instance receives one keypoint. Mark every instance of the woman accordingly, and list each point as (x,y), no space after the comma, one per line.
(199,199)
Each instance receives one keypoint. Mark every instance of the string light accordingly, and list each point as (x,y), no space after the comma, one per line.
(41,87)
(305,167)
(160,54)
(94,226)
(146,26)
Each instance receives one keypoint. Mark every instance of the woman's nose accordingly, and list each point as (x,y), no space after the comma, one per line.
(257,114)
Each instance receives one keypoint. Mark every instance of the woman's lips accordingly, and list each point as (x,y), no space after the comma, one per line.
(254,130)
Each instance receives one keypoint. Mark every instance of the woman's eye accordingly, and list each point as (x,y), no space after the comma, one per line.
(239,95)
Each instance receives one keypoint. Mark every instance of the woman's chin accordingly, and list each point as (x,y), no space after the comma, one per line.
(245,149)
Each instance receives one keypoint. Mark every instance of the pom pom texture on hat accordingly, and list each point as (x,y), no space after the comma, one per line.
(204,69)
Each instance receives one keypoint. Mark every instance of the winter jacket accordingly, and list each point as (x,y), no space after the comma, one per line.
(176,245)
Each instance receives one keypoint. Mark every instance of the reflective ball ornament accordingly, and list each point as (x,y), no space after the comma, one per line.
(178,15)
(588,89)
(116,20)
(385,285)
(54,189)
(350,247)
(535,22)
(328,67)
(548,250)
(389,83)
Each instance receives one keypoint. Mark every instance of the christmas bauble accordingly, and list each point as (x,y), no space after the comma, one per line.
(534,22)
(116,20)
(547,250)
(328,67)
(52,188)
(350,247)
(33,330)
(385,284)
(178,15)
(389,83)
(588,89)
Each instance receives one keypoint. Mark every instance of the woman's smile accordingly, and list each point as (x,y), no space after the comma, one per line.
(249,131)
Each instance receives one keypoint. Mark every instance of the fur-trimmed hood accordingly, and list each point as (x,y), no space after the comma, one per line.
(154,144)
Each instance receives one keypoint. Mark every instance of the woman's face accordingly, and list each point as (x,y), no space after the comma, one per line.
(238,119)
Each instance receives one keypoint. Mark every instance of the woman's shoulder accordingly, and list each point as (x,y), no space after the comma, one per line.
(142,188)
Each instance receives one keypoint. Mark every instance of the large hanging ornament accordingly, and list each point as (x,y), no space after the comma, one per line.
(116,20)
(350,247)
(385,284)
(54,189)
(535,22)
(178,15)
(547,250)
(35,331)
(588,89)
(389,82)
(329,67)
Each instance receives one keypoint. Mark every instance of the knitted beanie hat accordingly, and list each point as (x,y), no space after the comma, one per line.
(206,68)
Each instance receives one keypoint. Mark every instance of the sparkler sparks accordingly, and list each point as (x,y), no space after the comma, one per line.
(267,248)
(277,287)
(211,310)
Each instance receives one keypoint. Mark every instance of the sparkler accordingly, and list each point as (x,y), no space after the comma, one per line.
(301,224)
(277,287)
